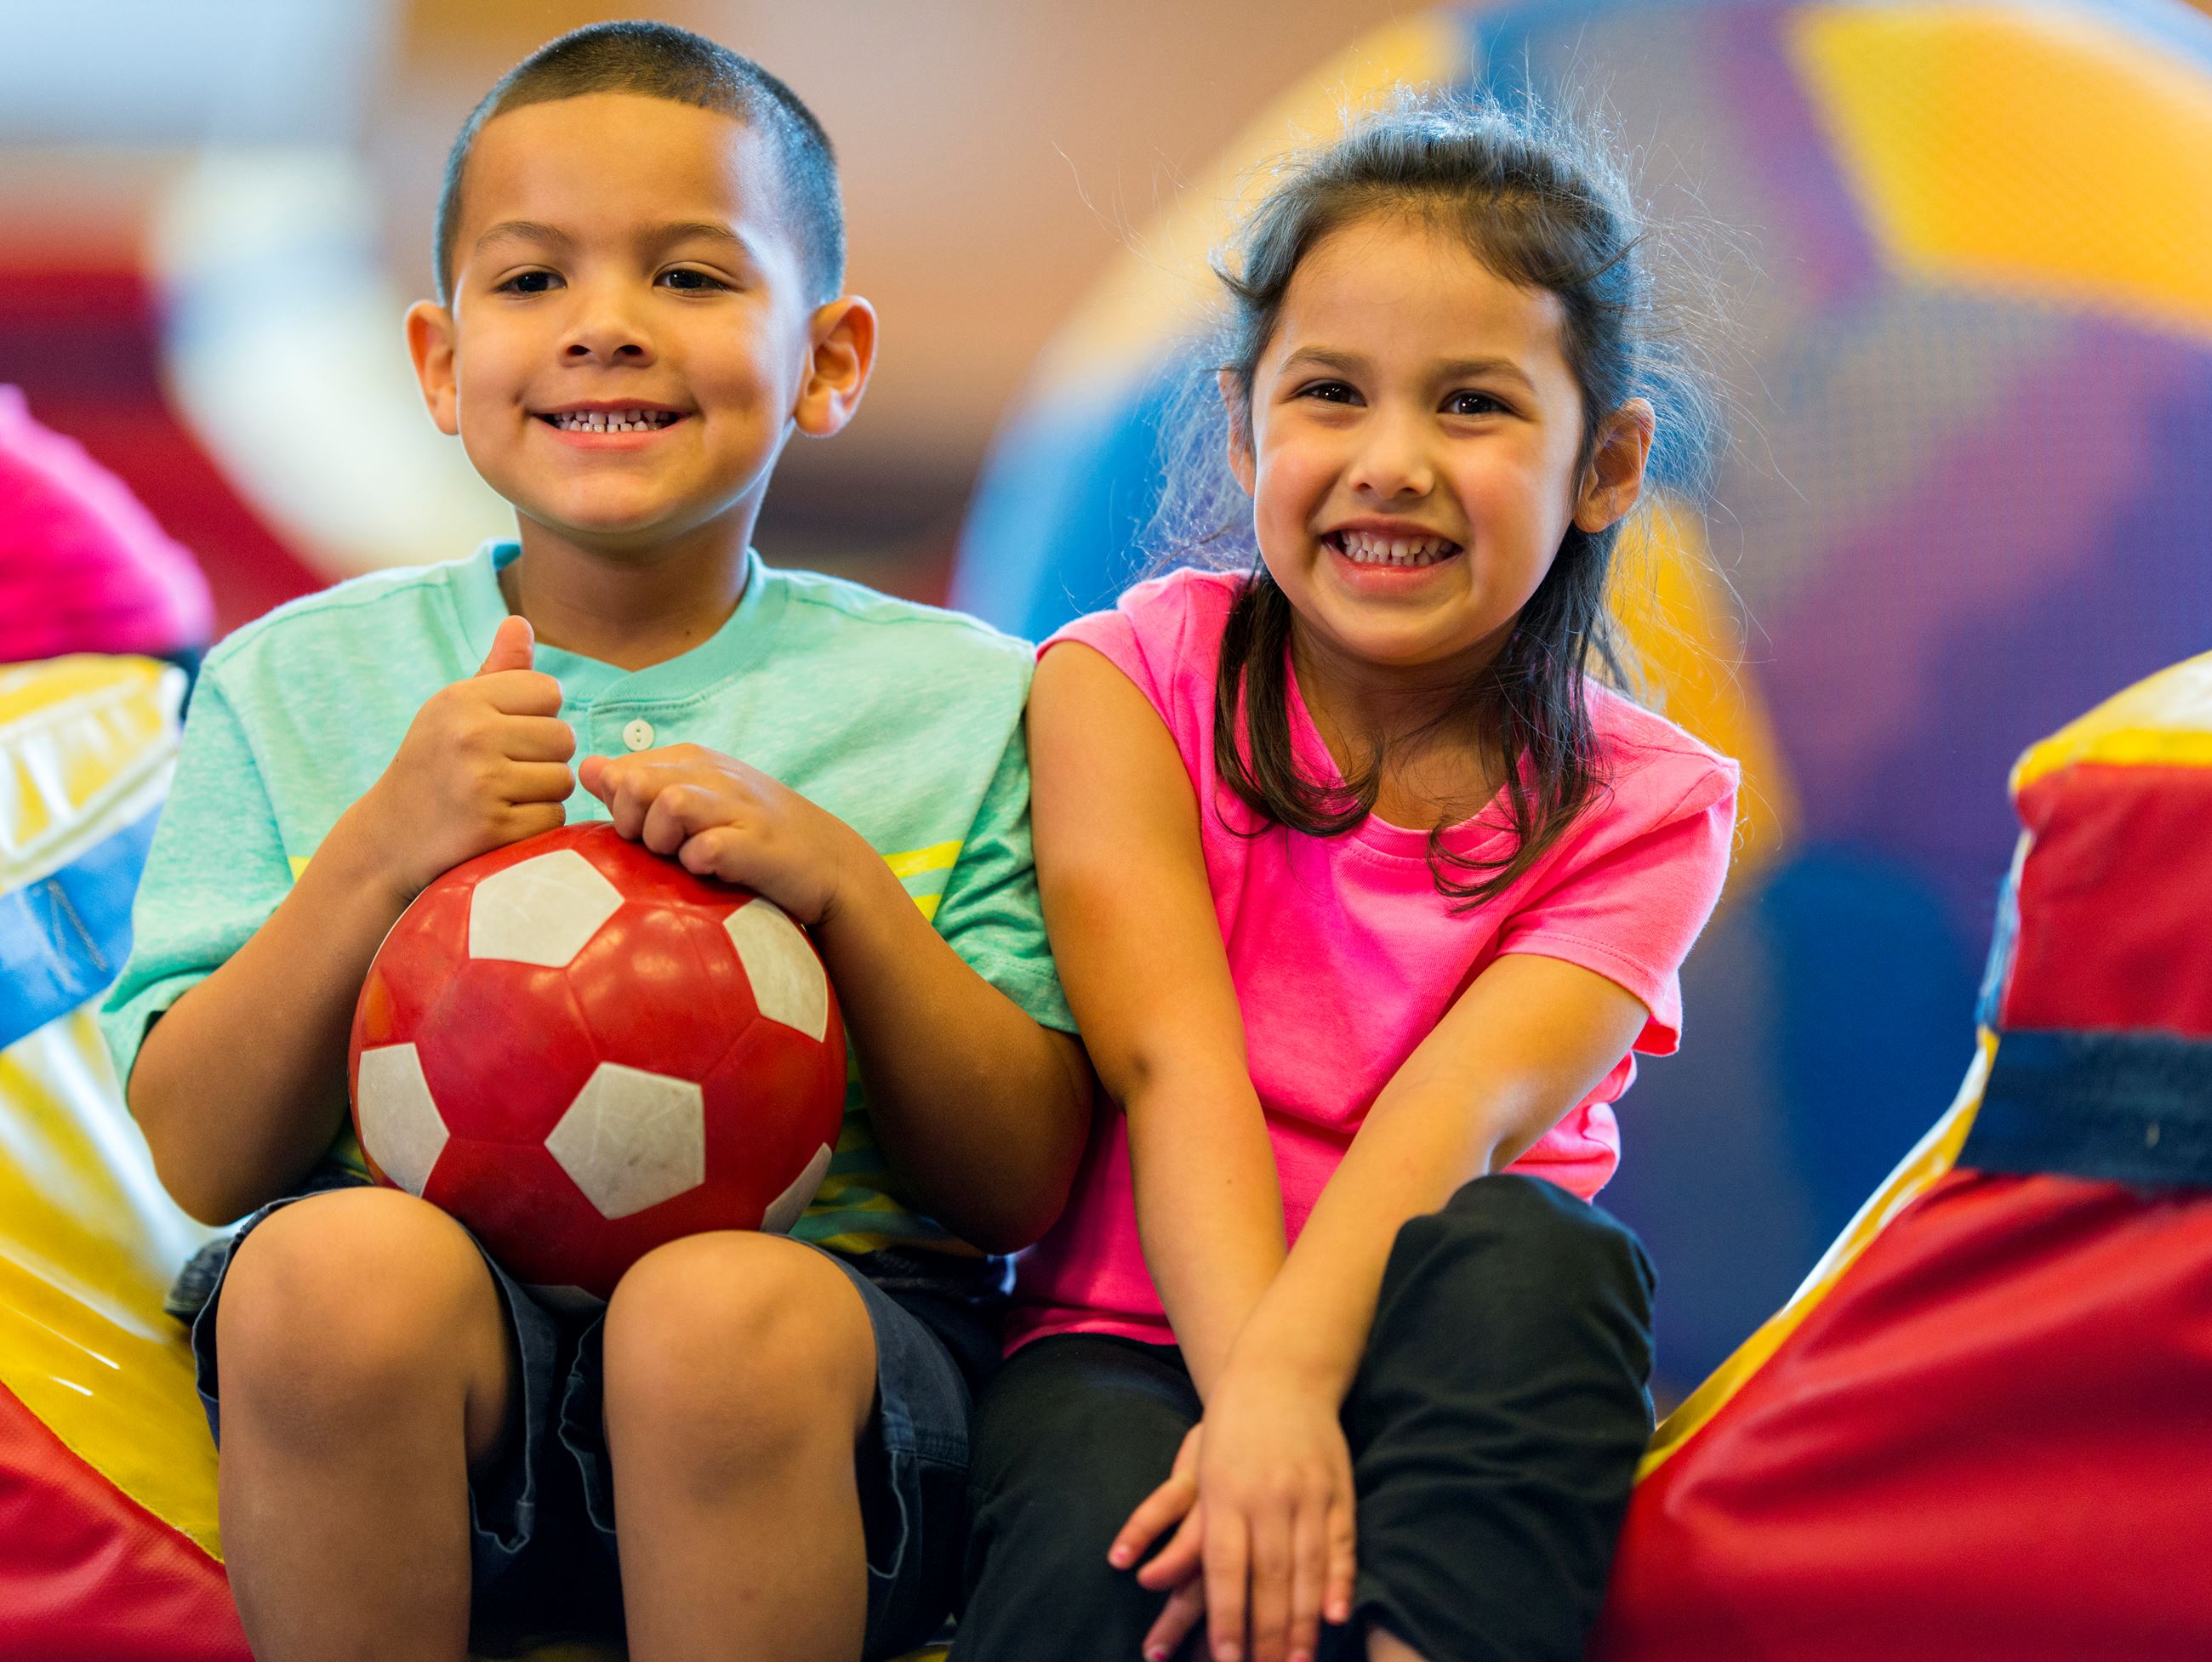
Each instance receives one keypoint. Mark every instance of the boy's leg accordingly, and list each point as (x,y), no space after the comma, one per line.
(1071,1436)
(365,1369)
(1495,1424)
(739,1376)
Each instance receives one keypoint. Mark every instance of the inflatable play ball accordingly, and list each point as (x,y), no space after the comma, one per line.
(581,1051)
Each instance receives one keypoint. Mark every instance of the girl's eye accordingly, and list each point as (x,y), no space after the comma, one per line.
(1472,403)
(684,278)
(528,283)
(1334,392)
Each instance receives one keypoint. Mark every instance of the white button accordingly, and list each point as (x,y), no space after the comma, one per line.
(638,736)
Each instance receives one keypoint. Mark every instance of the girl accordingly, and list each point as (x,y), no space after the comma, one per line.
(1363,891)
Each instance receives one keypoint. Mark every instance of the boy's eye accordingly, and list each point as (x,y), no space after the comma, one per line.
(1472,403)
(528,283)
(684,278)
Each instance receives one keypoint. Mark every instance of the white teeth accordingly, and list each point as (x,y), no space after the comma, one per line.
(1367,550)
(614,421)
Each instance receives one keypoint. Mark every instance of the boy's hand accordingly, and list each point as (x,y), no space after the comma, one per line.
(484,765)
(722,819)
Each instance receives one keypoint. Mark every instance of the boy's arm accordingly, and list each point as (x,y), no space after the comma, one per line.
(1122,873)
(240,1085)
(985,1110)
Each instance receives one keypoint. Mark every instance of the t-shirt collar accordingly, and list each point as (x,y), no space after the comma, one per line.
(741,639)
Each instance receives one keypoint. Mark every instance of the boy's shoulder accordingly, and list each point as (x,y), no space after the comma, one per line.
(379,608)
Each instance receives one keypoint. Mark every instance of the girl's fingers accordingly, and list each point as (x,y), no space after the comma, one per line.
(1309,1581)
(1185,1610)
(1164,1506)
(1343,1565)
(1228,1562)
(1178,1561)
(1270,1611)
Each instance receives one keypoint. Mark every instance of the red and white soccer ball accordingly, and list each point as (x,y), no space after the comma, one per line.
(581,1051)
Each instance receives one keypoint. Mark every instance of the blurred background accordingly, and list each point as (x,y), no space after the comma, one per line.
(1965,250)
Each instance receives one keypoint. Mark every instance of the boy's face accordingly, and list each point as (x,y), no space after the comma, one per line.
(630,341)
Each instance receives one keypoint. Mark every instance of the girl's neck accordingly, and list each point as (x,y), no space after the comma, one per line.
(632,609)
(1437,764)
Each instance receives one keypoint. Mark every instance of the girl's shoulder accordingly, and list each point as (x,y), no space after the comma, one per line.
(1164,633)
(1651,762)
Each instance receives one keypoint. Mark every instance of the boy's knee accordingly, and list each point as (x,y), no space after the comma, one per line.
(342,1301)
(739,1344)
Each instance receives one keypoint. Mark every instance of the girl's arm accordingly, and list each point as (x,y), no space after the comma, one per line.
(1122,878)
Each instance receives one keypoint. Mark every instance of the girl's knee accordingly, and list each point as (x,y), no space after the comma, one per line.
(740,1343)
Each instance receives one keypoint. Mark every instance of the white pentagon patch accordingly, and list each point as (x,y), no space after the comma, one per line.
(784,1210)
(542,911)
(401,1128)
(787,981)
(632,1139)
(570,1301)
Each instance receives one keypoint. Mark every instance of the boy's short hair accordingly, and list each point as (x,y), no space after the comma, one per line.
(659,60)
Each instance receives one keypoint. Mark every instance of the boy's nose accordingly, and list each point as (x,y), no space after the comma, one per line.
(607,333)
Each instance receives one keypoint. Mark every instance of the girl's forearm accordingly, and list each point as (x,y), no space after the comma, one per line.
(1209,1209)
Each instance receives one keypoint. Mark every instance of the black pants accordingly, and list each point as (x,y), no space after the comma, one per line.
(1494,1426)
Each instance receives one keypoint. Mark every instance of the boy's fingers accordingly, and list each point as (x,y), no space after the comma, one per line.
(1185,1609)
(511,645)
(1178,1561)
(538,738)
(592,774)
(1156,1512)
(524,692)
(538,782)
(1227,1559)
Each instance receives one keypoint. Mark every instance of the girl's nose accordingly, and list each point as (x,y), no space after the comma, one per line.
(1391,461)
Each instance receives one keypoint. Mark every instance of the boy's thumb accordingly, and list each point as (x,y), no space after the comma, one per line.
(510,647)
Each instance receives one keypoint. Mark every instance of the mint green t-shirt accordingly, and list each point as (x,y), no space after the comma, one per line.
(903,720)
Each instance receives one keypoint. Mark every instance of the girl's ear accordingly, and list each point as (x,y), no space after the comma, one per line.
(1241,462)
(841,350)
(430,344)
(1614,480)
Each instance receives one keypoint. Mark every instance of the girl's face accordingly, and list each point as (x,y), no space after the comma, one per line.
(1411,449)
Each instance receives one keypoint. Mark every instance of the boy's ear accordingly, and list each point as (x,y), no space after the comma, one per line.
(1241,461)
(430,344)
(1614,481)
(841,352)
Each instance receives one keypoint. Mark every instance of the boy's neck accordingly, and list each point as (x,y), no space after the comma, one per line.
(632,610)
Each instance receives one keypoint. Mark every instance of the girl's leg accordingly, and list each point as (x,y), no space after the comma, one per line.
(740,1373)
(1073,1434)
(1495,1424)
(365,1369)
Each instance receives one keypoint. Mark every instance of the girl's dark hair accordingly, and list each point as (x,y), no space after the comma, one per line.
(1539,205)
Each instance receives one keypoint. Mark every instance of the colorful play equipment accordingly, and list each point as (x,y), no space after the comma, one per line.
(1974,288)
(582,1051)
(1979,1431)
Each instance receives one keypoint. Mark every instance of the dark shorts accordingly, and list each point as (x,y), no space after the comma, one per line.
(1494,1427)
(543,1518)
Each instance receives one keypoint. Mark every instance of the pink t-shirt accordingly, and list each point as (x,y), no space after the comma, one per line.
(1343,956)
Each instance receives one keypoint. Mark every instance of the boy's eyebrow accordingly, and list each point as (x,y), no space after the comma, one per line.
(526,230)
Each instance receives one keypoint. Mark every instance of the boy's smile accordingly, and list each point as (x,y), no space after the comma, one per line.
(629,342)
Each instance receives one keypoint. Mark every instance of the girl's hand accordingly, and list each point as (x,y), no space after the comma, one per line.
(1173,1504)
(485,763)
(720,818)
(1275,1479)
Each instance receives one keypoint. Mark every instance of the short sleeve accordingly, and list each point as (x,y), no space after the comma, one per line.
(1629,902)
(989,913)
(216,871)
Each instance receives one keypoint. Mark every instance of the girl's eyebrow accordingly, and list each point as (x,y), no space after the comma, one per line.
(1455,369)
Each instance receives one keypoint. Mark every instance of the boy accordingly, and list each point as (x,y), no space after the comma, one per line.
(639,260)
